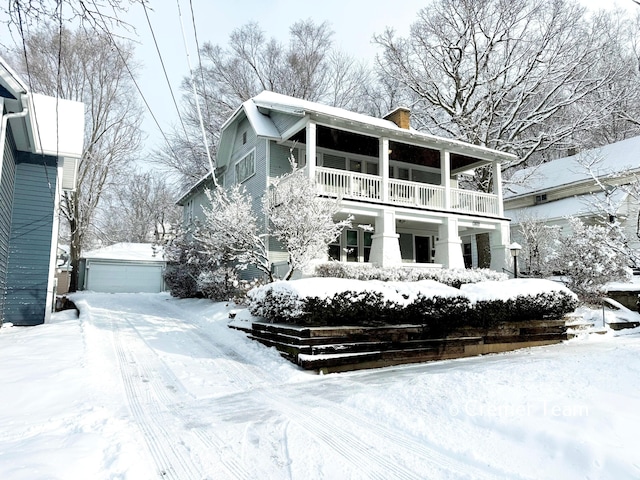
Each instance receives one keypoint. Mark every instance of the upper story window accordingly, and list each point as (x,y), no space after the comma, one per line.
(244,138)
(246,167)
(541,198)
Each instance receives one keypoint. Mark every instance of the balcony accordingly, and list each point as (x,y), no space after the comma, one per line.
(363,187)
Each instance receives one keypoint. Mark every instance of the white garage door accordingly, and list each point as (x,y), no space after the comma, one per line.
(124,278)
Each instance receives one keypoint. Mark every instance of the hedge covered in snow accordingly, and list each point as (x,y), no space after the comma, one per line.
(437,307)
(366,271)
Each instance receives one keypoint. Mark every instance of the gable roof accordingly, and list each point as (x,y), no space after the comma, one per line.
(257,109)
(613,159)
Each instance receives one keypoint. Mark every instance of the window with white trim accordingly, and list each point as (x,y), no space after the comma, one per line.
(246,167)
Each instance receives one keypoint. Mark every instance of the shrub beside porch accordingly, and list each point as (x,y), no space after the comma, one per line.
(337,324)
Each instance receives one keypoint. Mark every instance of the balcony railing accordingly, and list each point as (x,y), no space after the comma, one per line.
(360,186)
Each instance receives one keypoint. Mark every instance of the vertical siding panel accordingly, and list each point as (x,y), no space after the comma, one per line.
(6,202)
(30,239)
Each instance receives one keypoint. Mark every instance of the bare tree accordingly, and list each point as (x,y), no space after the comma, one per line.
(35,12)
(88,67)
(517,76)
(308,67)
(140,209)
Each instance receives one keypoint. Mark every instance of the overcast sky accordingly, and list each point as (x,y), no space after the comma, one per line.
(353,21)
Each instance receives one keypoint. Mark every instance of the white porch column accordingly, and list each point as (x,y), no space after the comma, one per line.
(311,150)
(445,180)
(497,186)
(449,245)
(385,246)
(384,169)
(499,244)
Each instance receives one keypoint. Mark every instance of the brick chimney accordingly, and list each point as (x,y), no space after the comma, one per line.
(401,116)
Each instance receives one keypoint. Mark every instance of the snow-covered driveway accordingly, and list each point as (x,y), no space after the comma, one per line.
(146,386)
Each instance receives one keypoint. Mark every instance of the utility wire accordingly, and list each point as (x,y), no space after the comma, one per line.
(166,76)
(34,119)
(133,78)
(195,34)
(195,94)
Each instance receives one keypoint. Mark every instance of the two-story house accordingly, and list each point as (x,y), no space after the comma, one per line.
(593,185)
(41,140)
(399,184)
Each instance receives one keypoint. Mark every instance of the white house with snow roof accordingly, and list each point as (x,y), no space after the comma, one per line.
(401,182)
(593,185)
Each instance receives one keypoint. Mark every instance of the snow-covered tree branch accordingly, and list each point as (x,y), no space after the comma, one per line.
(302,222)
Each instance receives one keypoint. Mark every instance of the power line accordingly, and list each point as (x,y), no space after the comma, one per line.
(166,76)
(133,79)
(195,94)
(195,34)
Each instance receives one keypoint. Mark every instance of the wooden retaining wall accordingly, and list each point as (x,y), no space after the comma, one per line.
(336,349)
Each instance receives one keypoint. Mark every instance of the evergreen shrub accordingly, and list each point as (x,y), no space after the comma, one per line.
(438,315)
(363,271)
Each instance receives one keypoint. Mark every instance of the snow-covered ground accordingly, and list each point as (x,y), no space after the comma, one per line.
(144,386)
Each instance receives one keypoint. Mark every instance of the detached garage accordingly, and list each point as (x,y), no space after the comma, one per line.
(123,268)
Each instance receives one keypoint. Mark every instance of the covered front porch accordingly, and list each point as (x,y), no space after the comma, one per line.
(401,237)
(409,170)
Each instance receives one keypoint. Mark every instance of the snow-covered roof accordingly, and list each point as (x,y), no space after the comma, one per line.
(576,206)
(292,105)
(270,101)
(287,104)
(612,159)
(141,252)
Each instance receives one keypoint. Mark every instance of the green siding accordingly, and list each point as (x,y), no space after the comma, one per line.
(30,239)
(283,121)
(6,201)
(279,159)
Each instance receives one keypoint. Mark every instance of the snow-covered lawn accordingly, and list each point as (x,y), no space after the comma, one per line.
(145,387)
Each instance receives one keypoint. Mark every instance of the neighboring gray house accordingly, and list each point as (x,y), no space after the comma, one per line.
(123,268)
(38,160)
(563,188)
(402,182)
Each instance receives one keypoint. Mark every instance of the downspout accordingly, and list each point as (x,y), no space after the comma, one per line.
(3,131)
(3,138)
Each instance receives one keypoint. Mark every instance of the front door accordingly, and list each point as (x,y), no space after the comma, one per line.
(423,249)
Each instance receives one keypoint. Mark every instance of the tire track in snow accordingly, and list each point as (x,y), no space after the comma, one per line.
(155,406)
(172,461)
(334,431)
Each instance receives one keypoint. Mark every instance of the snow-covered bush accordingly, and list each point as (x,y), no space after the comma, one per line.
(591,256)
(181,280)
(218,284)
(366,271)
(538,251)
(438,315)
(276,305)
(437,307)
(185,262)
(301,221)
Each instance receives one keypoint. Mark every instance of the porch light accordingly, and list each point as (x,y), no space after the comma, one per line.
(515,248)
